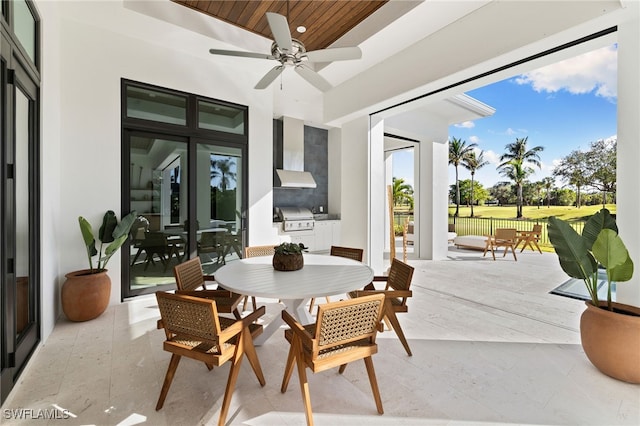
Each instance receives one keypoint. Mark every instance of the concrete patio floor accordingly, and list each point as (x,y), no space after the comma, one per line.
(490,346)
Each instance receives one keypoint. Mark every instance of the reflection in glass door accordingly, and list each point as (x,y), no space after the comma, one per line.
(219,205)
(158,192)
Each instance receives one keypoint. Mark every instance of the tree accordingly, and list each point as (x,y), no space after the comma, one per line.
(572,170)
(514,164)
(538,187)
(601,167)
(473,162)
(458,150)
(503,192)
(518,173)
(478,195)
(548,185)
(402,192)
(222,168)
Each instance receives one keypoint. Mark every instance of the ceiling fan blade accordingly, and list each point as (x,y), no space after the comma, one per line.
(241,54)
(334,54)
(280,30)
(313,77)
(269,77)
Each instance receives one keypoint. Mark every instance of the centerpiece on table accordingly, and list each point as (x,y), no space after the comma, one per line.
(288,257)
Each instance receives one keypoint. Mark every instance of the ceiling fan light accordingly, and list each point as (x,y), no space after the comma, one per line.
(301,29)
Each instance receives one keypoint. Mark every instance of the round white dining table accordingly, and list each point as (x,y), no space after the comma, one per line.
(322,275)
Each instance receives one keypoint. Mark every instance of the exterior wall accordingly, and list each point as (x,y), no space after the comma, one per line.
(628,197)
(83,63)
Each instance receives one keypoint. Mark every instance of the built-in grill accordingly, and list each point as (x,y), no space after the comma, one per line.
(295,218)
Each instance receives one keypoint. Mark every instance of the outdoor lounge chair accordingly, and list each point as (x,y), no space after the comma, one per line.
(503,237)
(530,238)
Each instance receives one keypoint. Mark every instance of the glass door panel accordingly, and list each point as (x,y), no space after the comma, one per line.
(22,259)
(158,192)
(219,205)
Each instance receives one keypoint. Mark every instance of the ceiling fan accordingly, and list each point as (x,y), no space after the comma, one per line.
(291,52)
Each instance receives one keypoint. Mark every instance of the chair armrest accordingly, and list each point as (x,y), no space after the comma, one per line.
(296,327)
(208,277)
(253,316)
(380,278)
(208,294)
(398,293)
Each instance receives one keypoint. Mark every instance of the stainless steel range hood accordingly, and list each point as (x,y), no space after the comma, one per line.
(292,174)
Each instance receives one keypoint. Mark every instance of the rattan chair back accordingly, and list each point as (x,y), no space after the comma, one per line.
(348,252)
(253,251)
(189,275)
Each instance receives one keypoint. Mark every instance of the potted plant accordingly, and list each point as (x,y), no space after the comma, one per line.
(85,293)
(609,331)
(288,257)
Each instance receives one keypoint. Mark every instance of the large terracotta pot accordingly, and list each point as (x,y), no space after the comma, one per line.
(287,262)
(611,340)
(85,296)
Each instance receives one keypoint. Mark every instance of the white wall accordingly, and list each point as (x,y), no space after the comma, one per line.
(628,197)
(87,52)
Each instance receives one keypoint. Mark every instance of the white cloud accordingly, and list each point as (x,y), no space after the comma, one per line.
(591,72)
(510,131)
(491,157)
(466,125)
(474,139)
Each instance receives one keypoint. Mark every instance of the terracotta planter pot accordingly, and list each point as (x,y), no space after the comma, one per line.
(287,262)
(85,296)
(611,340)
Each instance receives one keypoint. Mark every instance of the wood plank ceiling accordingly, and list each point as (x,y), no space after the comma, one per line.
(326,20)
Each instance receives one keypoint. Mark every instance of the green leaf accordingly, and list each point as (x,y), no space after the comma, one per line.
(611,252)
(112,248)
(595,224)
(109,223)
(573,254)
(87,236)
(125,224)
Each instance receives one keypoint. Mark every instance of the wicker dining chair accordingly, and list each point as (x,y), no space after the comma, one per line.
(349,253)
(396,292)
(344,331)
(194,330)
(189,278)
(254,251)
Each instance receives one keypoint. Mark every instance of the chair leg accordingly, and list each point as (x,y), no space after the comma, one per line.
(253,302)
(288,368)
(395,324)
(252,356)
(304,384)
(168,378)
(236,362)
(374,383)
(311,303)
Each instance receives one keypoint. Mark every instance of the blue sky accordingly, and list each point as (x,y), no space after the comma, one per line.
(562,107)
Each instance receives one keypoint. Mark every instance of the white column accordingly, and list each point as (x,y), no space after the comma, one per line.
(628,197)
(433,188)
(354,199)
(378,198)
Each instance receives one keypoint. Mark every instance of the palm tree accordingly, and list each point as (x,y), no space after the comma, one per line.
(473,162)
(518,173)
(518,151)
(539,186)
(548,184)
(402,192)
(222,168)
(458,149)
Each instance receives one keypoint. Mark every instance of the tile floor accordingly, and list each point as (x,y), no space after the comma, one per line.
(490,346)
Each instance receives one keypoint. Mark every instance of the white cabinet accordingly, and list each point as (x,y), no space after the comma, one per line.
(325,234)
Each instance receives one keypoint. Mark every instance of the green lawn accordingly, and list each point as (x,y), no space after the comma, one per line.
(532,212)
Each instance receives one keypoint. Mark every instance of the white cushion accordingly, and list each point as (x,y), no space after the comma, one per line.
(471,241)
